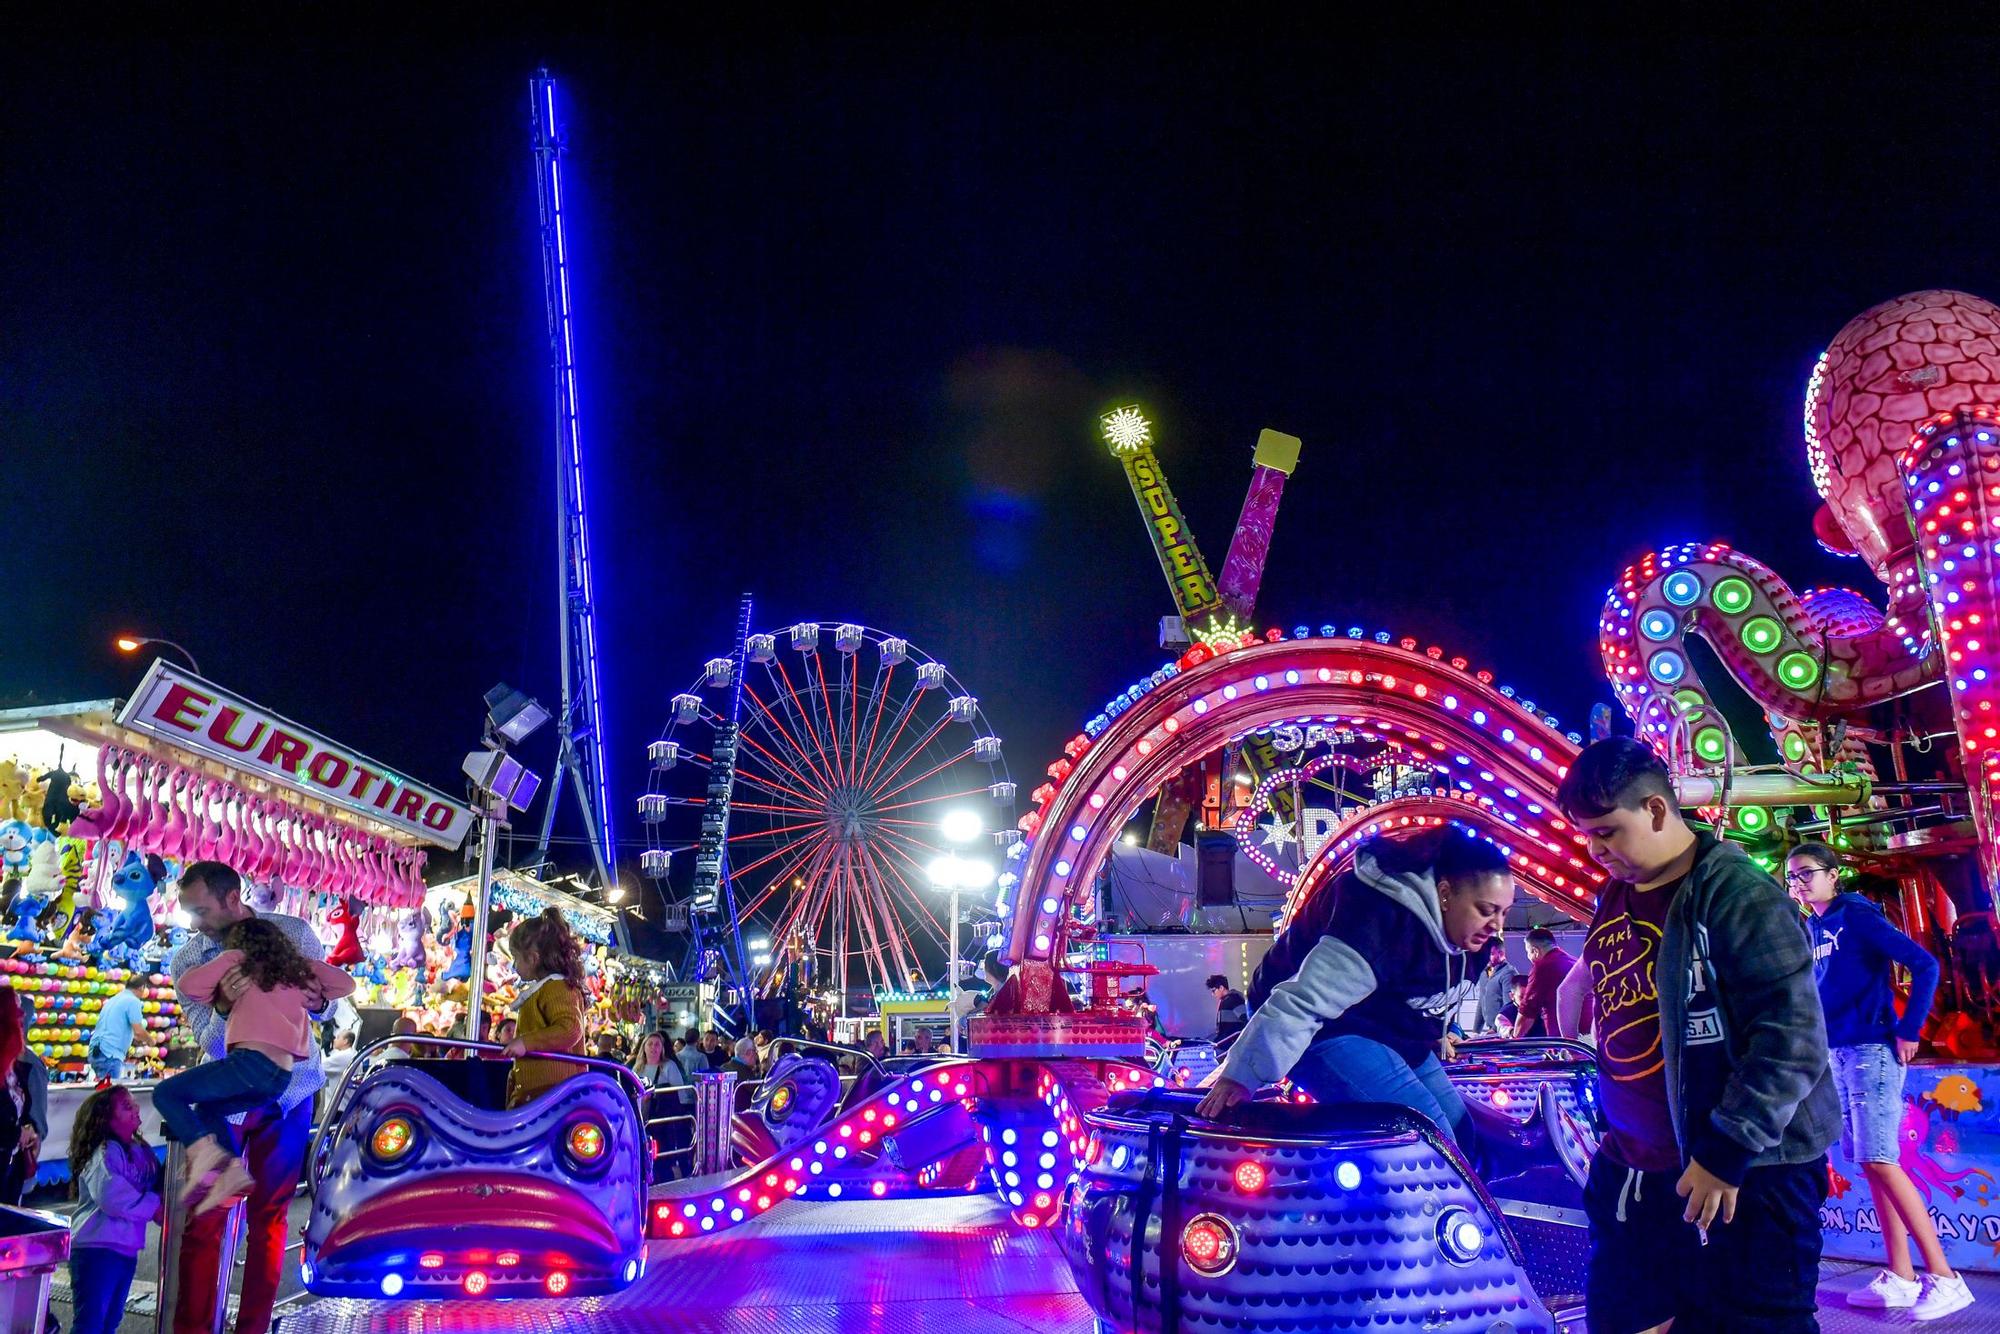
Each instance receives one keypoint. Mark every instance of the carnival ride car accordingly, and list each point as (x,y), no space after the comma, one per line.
(425,1184)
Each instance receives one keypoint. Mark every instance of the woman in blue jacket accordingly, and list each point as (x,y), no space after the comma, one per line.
(1854,948)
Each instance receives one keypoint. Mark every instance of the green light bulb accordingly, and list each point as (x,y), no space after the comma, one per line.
(1732,595)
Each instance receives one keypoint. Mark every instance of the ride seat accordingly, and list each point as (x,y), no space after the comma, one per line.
(476,1083)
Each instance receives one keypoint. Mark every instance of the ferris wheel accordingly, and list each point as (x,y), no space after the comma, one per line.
(821,780)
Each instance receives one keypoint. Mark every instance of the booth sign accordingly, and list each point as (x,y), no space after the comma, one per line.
(184,710)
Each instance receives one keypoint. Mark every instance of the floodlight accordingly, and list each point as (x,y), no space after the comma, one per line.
(513,714)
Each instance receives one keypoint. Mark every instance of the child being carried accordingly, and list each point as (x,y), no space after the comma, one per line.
(270,1029)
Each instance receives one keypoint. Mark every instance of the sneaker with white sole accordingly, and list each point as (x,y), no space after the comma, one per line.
(1942,1296)
(1887,1291)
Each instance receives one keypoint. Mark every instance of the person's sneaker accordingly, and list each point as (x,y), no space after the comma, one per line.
(235,1180)
(1887,1290)
(1942,1296)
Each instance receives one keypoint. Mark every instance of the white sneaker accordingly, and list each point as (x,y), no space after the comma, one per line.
(1942,1296)
(1887,1290)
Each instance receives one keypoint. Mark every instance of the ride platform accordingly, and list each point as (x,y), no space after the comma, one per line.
(953,1266)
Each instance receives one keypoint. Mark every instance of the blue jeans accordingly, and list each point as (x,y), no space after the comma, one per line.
(1351,1068)
(106,1066)
(1869,1080)
(100,1280)
(200,1101)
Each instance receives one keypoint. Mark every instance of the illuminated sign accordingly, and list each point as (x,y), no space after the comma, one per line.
(1129,435)
(184,710)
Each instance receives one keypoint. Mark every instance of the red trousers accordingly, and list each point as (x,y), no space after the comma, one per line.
(274,1146)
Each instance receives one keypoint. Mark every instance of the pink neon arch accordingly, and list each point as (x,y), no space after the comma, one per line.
(1551,867)
(1496,750)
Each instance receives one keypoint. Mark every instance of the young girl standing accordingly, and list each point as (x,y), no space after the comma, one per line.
(1854,946)
(549,1014)
(115,1178)
(270,1029)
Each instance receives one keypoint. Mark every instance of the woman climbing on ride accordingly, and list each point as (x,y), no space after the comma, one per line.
(1353,1000)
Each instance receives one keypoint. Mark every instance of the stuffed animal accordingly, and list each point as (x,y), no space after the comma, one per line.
(44,875)
(56,808)
(460,968)
(13,784)
(409,951)
(262,896)
(27,908)
(69,861)
(346,951)
(133,882)
(17,841)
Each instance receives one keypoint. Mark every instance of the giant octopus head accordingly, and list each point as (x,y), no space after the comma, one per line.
(1888,370)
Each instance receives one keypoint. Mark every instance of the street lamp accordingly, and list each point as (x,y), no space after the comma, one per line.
(498,782)
(953,874)
(133,643)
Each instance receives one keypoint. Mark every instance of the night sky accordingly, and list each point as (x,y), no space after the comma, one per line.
(273,371)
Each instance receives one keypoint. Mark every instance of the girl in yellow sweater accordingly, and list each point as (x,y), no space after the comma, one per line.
(548,1008)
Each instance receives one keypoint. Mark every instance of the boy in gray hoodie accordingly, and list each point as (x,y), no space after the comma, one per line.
(1712,1069)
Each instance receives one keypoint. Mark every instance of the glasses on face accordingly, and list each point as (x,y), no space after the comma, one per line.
(1804,877)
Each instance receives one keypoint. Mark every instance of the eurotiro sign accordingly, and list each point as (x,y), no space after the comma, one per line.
(184,710)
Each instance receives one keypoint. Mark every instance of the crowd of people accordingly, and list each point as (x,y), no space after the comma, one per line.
(1741,1027)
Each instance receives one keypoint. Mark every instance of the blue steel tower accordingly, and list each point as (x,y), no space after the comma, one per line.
(580,757)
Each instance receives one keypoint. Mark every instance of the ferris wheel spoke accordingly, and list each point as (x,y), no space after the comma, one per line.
(920,907)
(812,848)
(882,791)
(748,835)
(783,698)
(889,882)
(838,760)
(806,724)
(857,912)
(886,771)
(768,808)
(981,790)
(899,941)
(884,678)
(782,850)
(806,868)
(904,712)
(772,787)
(790,741)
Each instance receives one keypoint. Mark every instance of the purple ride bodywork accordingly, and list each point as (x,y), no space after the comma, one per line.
(547,1199)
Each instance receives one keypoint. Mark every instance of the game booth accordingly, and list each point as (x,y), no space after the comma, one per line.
(622,989)
(1875,734)
(104,801)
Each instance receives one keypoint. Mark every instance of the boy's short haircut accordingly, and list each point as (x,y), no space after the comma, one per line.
(1617,772)
(1542,936)
(1216,980)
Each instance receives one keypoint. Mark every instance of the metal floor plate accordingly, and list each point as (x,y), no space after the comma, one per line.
(953,1266)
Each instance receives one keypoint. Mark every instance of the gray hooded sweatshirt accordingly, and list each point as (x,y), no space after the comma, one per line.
(1368,958)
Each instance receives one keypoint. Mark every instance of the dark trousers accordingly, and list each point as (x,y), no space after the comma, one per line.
(199,1102)
(274,1145)
(1758,1274)
(100,1279)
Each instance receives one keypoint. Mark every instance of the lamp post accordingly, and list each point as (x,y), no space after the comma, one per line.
(953,873)
(498,783)
(133,643)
